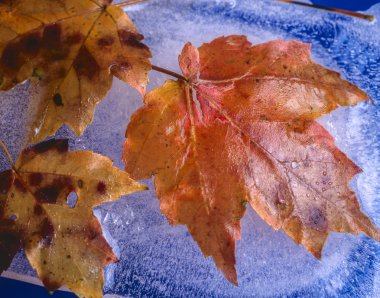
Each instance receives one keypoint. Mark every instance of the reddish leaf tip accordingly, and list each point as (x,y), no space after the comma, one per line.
(231,274)
(189,61)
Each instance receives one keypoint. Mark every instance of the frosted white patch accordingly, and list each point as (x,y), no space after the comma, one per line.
(169,130)
(294,165)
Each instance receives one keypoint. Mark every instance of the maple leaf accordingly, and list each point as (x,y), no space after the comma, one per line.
(71,49)
(63,242)
(240,130)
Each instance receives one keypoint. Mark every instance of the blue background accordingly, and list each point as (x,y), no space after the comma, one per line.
(12,288)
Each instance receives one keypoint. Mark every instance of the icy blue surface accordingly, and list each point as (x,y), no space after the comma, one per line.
(158,260)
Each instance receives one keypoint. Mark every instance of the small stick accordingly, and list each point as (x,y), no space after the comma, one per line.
(169,72)
(337,10)
(7,154)
(371,100)
(130,2)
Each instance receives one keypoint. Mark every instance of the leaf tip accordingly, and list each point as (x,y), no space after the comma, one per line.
(140,187)
(112,259)
(316,252)
(231,275)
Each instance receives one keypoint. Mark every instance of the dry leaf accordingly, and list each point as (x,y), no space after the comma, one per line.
(240,131)
(63,243)
(71,49)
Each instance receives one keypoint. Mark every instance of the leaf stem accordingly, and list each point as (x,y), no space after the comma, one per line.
(337,10)
(169,72)
(130,2)
(7,154)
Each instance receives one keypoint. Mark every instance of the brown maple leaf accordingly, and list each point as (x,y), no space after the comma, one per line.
(71,49)
(240,130)
(63,242)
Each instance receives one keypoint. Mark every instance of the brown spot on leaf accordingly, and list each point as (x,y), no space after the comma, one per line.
(11,59)
(105,41)
(65,182)
(47,232)
(101,188)
(80,183)
(35,179)
(20,186)
(85,64)
(132,39)
(59,145)
(74,38)
(6,180)
(37,209)
(48,194)
(51,36)
(31,44)
(51,41)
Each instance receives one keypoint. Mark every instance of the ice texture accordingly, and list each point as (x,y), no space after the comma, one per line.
(158,260)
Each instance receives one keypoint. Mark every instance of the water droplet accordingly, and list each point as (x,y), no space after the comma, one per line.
(330,183)
(169,130)
(317,183)
(323,189)
(324,173)
(308,195)
(294,164)
(338,193)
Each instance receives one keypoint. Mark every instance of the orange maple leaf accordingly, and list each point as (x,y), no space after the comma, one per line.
(240,129)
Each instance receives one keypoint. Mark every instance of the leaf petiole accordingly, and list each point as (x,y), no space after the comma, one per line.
(7,154)
(169,72)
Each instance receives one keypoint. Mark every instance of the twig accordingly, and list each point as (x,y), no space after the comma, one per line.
(7,154)
(371,100)
(169,72)
(337,10)
(130,2)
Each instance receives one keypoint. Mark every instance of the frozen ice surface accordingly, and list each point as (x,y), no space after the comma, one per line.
(158,260)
